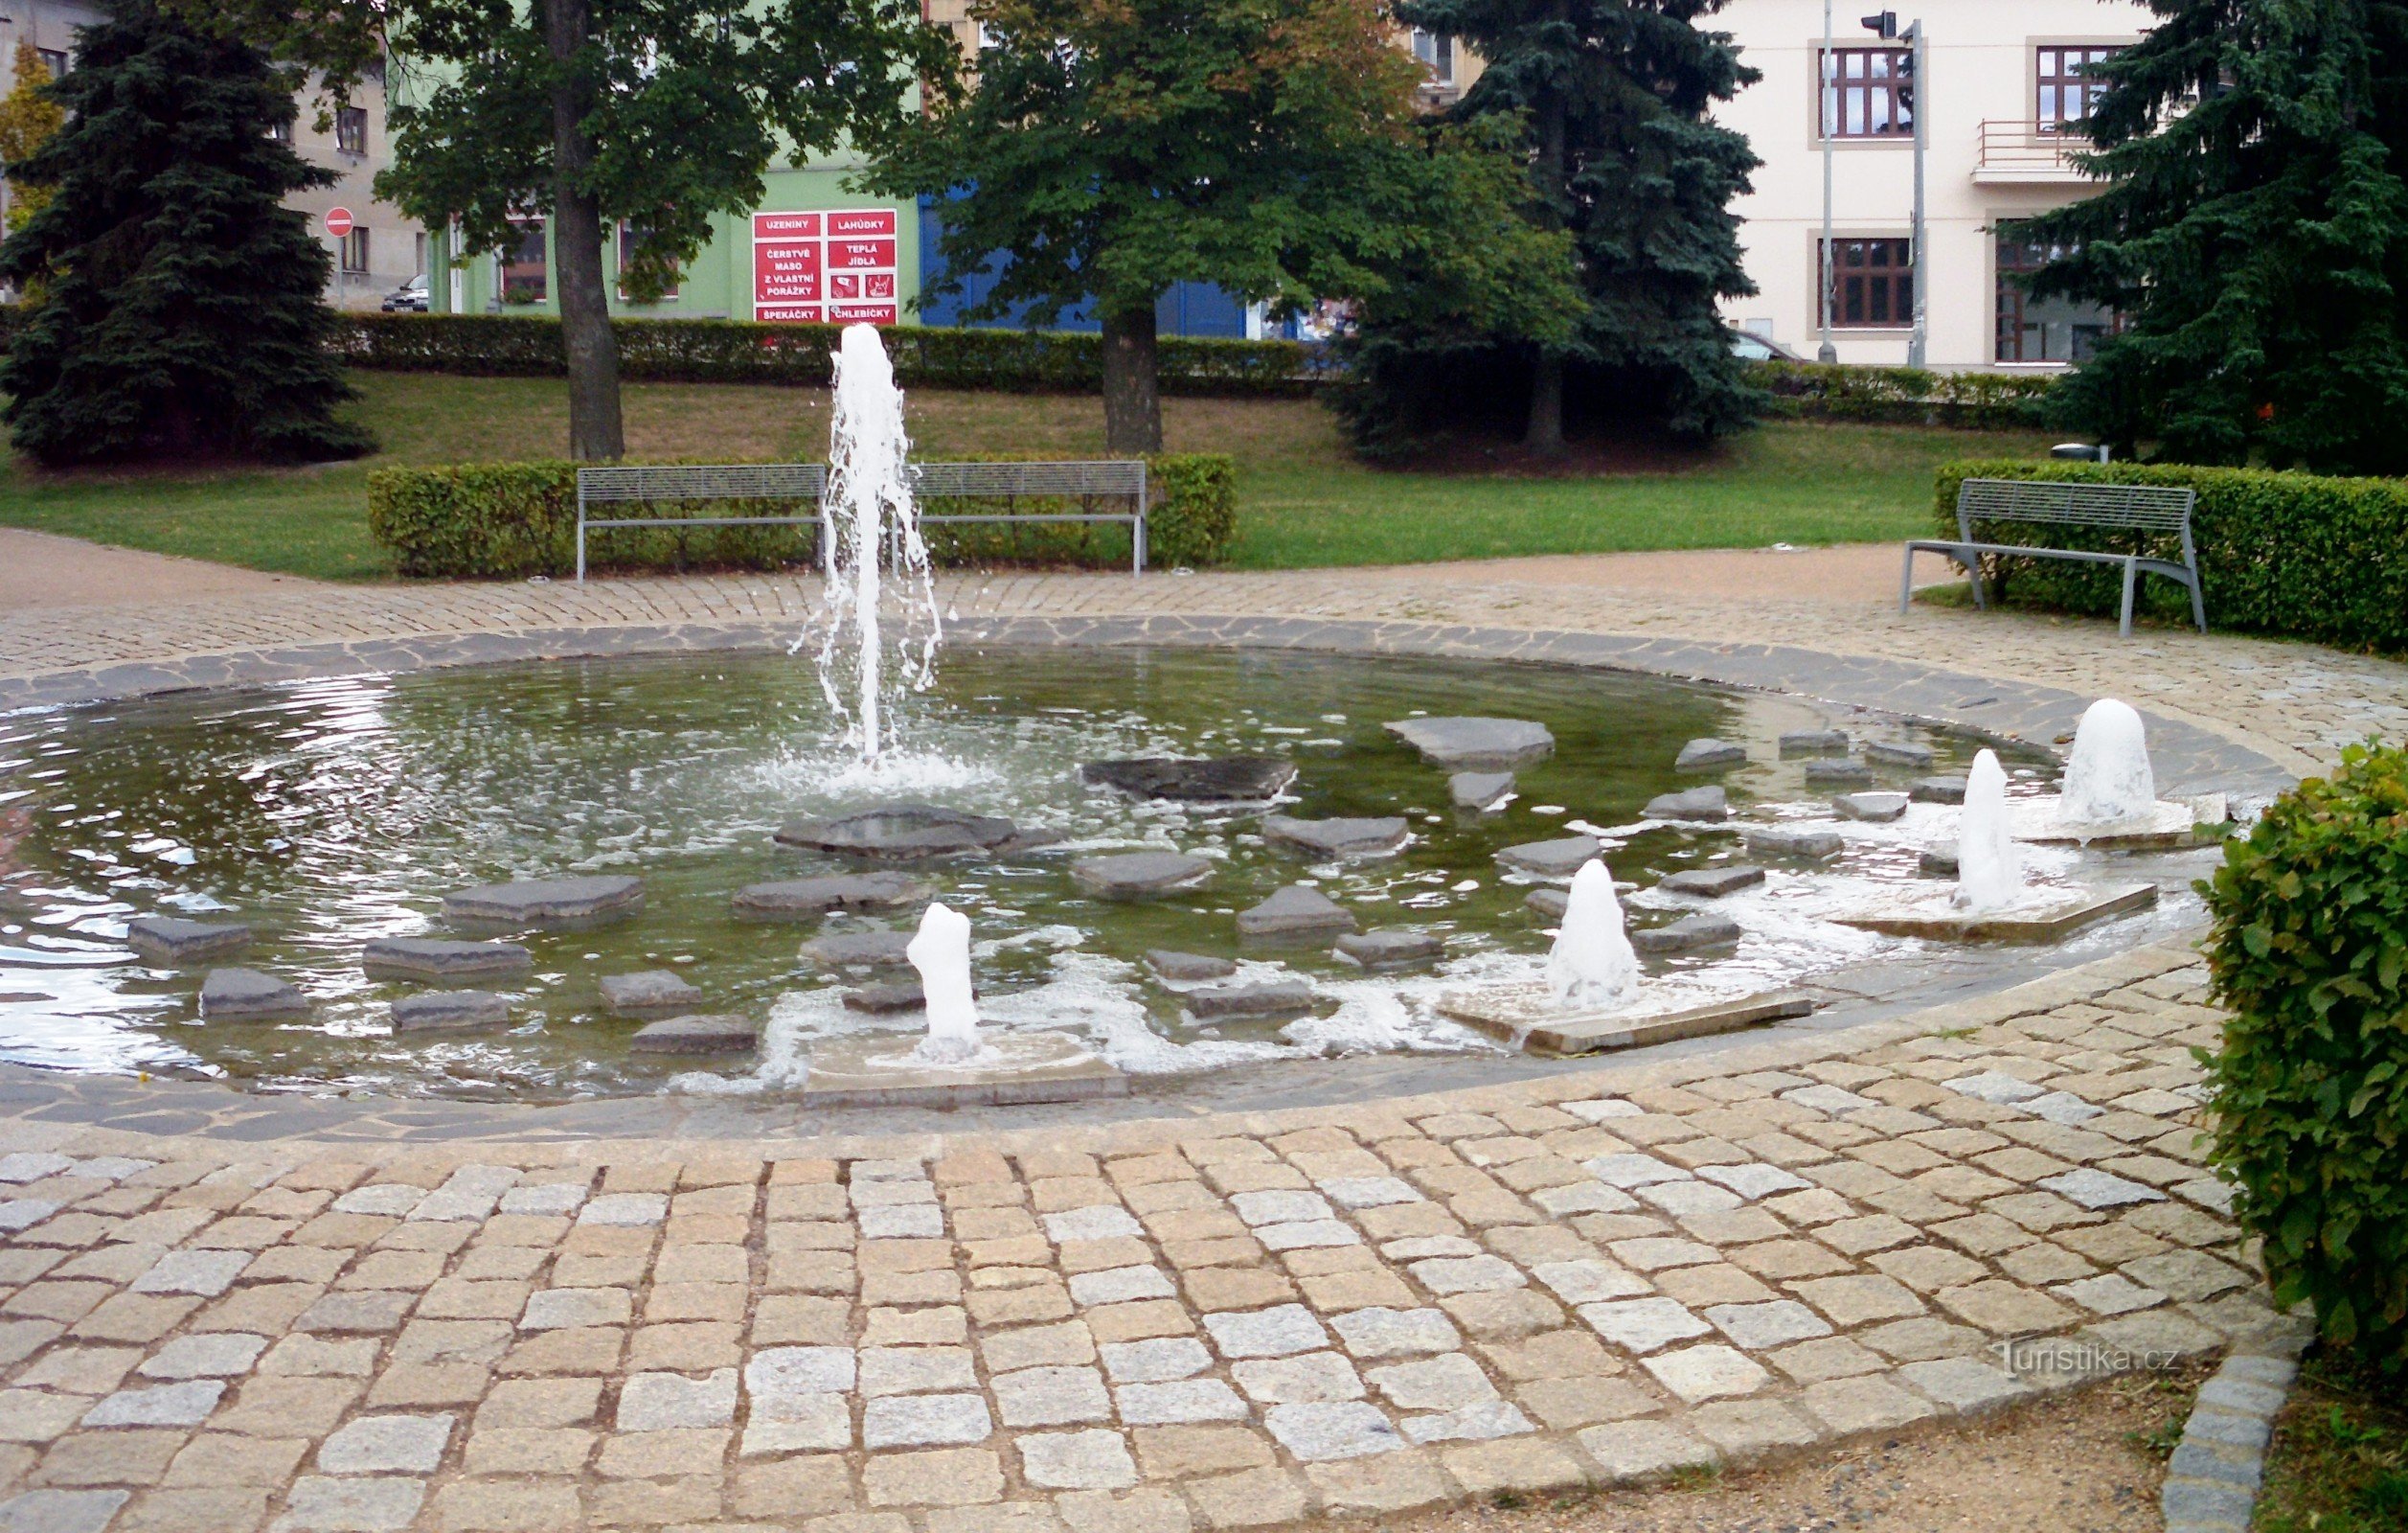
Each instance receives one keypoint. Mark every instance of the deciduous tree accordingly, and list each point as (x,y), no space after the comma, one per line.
(28,115)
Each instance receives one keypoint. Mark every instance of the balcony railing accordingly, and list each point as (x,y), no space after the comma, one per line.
(2010,150)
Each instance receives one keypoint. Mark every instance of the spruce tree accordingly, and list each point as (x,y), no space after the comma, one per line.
(1612,97)
(2251,234)
(180,310)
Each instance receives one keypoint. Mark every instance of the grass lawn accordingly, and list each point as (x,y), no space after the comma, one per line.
(2339,1463)
(1304,501)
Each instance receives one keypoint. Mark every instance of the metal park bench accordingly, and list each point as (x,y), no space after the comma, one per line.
(2140,509)
(1087,482)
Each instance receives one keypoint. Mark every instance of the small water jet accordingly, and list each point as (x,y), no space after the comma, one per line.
(941,953)
(1989,874)
(1592,966)
(2107,776)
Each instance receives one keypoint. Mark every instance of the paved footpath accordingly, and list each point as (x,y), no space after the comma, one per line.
(1202,1322)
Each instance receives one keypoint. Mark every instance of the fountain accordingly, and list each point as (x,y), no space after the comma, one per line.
(2109,799)
(1593,965)
(941,953)
(1989,875)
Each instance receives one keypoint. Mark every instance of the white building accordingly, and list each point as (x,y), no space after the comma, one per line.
(1999,80)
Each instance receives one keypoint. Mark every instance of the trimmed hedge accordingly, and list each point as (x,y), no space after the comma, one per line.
(720,351)
(2299,555)
(2309,1099)
(1904,395)
(516,519)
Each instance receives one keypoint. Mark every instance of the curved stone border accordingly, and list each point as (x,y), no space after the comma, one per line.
(2212,1482)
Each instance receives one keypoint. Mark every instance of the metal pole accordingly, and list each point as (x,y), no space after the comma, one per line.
(1825,109)
(1914,346)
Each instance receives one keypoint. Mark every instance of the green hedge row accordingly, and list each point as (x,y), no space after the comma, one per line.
(719,351)
(2299,555)
(1905,395)
(515,519)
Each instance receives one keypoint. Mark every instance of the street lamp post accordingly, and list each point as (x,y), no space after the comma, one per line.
(1826,109)
(1915,346)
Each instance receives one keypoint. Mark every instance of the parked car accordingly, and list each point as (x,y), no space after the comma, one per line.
(410,297)
(1749,347)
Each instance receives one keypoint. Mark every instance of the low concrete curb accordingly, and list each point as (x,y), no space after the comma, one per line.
(2212,1484)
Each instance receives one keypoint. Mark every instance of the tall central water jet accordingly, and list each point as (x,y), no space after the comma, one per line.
(871,528)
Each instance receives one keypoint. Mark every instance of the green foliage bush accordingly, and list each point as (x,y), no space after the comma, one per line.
(516,519)
(2309,954)
(1904,395)
(2294,554)
(719,351)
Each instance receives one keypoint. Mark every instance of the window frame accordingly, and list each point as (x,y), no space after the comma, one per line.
(1895,279)
(2002,291)
(1434,52)
(2043,83)
(352,252)
(627,231)
(536,228)
(59,61)
(1832,91)
(351,123)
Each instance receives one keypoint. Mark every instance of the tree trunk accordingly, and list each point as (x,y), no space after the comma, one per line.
(1545,433)
(1132,399)
(596,432)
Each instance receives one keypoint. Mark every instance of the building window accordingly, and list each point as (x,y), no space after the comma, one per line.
(1873,285)
(1868,92)
(630,237)
(2067,92)
(524,272)
(2043,329)
(1436,53)
(351,129)
(355,252)
(56,61)
(280,132)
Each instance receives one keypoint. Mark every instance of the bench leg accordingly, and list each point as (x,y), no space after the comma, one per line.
(2131,570)
(1906,583)
(1973,575)
(2198,604)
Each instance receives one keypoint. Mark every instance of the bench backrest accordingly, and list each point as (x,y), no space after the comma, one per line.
(1106,476)
(808,481)
(2149,508)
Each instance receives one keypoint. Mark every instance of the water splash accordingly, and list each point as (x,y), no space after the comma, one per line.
(871,523)
(941,953)
(1593,963)
(2107,776)
(1989,875)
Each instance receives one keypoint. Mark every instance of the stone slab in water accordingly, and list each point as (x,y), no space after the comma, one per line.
(1132,875)
(1549,902)
(698,1034)
(1187,967)
(863,949)
(172,942)
(1814,742)
(1390,949)
(435,1010)
(1711,884)
(1838,774)
(547,901)
(1707,804)
(1558,858)
(1277,998)
(1878,808)
(1195,780)
(1896,753)
(1935,920)
(648,991)
(432,959)
(1296,911)
(1709,755)
(1940,863)
(1479,791)
(1337,838)
(879,1069)
(1686,933)
(1476,744)
(886,1000)
(1777,841)
(1937,790)
(808,899)
(900,833)
(1528,1017)
(239,994)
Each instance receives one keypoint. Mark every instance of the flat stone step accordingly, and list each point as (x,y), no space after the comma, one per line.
(172,942)
(1476,744)
(1134,875)
(1274,998)
(1479,791)
(1187,967)
(1010,1069)
(1685,934)
(1814,742)
(1780,841)
(440,1010)
(900,833)
(1940,863)
(1710,805)
(547,903)
(859,950)
(246,994)
(1711,884)
(1549,902)
(1195,780)
(1390,948)
(888,999)
(648,991)
(711,1033)
(1934,921)
(1528,1017)
(1877,808)
(1709,755)
(1898,753)
(1294,911)
(1837,774)
(1937,790)
(1380,836)
(432,959)
(1558,859)
(808,899)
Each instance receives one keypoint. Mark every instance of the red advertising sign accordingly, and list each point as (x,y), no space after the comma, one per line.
(338,222)
(838,266)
